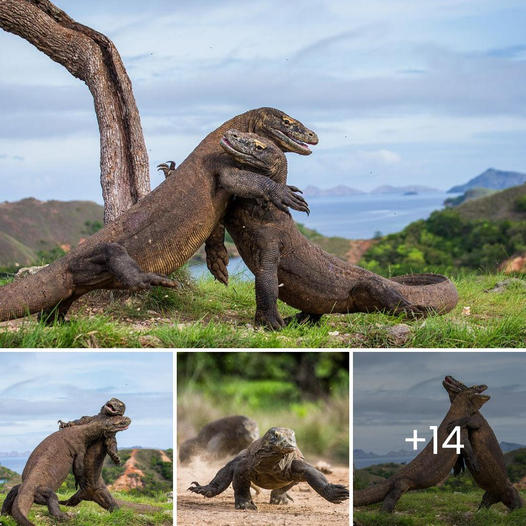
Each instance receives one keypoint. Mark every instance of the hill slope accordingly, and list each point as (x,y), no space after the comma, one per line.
(30,225)
(491,178)
(500,205)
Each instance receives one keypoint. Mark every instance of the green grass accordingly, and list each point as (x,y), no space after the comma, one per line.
(90,514)
(208,314)
(440,508)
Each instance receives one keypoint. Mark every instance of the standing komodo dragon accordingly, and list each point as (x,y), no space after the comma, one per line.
(427,468)
(50,463)
(491,476)
(163,230)
(90,482)
(271,462)
(222,437)
(288,266)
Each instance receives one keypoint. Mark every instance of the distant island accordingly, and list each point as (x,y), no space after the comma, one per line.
(343,190)
(493,179)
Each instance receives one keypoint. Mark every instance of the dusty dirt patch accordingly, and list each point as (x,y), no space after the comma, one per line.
(308,508)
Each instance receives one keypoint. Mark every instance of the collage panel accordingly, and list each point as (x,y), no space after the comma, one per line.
(86,439)
(439,438)
(263,438)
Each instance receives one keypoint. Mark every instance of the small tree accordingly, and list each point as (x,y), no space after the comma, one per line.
(93,58)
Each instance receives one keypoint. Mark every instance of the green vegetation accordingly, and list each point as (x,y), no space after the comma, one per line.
(454,502)
(307,392)
(445,243)
(208,314)
(90,514)
(520,204)
(472,193)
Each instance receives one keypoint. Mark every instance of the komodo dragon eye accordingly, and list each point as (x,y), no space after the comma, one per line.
(287,121)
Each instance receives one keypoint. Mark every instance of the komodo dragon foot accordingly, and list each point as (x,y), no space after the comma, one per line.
(336,493)
(270,319)
(113,259)
(206,491)
(303,318)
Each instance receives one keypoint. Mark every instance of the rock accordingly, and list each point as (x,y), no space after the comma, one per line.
(334,333)
(28,271)
(501,286)
(399,334)
(170,496)
(466,311)
(515,264)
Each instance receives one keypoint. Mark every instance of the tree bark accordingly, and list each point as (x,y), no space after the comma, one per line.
(93,58)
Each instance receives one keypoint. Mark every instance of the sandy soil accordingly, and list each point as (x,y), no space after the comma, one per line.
(308,508)
(132,476)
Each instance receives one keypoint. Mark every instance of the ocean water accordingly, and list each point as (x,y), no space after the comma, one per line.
(353,217)
(14,463)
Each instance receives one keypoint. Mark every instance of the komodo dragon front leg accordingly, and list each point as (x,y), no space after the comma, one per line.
(302,471)
(108,266)
(219,483)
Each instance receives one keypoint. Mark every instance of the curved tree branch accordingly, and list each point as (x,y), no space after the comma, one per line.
(93,58)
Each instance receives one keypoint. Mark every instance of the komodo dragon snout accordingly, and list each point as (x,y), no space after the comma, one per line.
(116,423)
(289,134)
(113,407)
(280,438)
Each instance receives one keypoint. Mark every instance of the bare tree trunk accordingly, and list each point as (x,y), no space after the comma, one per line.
(93,58)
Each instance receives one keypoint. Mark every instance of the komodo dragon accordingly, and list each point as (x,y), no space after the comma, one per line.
(491,476)
(222,437)
(165,228)
(91,484)
(427,468)
(271,462)
(50,463)
(288,266)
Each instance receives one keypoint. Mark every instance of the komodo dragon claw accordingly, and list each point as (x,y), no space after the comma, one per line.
(167,168)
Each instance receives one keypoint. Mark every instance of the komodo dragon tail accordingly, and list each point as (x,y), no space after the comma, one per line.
(8,502)
(371,495)
(22,505)
(34,293)
(431,292)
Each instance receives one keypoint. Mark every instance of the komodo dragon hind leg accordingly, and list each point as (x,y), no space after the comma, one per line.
(267,286)
(488,499)
(280,495)
(217,255)
(110,266)
(49,498)
(335,493)
(393,496)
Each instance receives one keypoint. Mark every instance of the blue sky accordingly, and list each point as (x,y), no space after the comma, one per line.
(37,389)
(394,393)
(400,92)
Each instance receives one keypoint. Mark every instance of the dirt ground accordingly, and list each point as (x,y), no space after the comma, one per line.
(308,508)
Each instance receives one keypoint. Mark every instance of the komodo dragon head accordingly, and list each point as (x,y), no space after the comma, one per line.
(255,151)
(454,387)
(288,133)
(115,424)
(469,399)
(280,439)
(113,407)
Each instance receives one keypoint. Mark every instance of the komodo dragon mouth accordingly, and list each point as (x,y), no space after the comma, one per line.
(285,137)
(455,386)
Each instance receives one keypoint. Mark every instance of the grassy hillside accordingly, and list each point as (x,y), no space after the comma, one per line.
(91,514)
(500,205)
(210,315)
(30,226)
(453,502)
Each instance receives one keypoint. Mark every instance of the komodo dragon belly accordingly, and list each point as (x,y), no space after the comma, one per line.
(269,480)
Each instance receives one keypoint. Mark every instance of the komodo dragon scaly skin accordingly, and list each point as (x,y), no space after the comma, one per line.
(288,266)
(165,228)
(220,438)
(427,469)
(491,476)
(50,463)
(272,462)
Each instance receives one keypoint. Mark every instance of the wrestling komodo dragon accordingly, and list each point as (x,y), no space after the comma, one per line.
(90,482)
(288,266)
(165,228)
(222,437)
(50,463)
(427,468)
(491,476)
(271,462)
